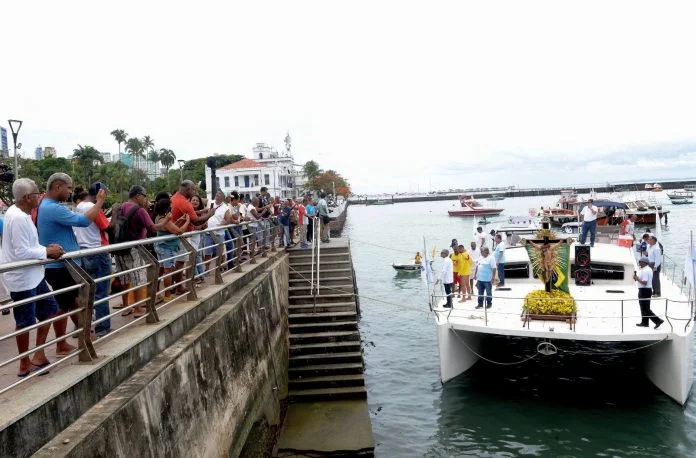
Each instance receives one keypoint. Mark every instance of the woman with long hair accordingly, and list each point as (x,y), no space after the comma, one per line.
(167,250)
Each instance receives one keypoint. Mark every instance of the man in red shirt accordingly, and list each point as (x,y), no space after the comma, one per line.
(181,206)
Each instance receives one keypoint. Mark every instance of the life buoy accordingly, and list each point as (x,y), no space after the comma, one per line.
(568,229)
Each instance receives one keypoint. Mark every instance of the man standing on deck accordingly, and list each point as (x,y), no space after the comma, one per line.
(475,254)
(644,278)
(628,226)
(485,275)
(480,238)
(447,276)
(655,261)
(589,222)
(324,218)
(500,260)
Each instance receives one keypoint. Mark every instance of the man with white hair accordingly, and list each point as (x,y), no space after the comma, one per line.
(21,243)
(55,223)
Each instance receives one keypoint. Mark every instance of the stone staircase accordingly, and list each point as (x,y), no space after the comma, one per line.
(326,360)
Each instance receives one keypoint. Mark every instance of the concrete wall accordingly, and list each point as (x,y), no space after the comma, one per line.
(201,395)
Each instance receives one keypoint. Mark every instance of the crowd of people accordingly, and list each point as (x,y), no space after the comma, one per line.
(463,268)
(45,226)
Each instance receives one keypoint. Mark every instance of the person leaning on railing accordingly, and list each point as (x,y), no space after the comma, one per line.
(139,224)
(98,265)
(166,251)
(21,243)
(55,223)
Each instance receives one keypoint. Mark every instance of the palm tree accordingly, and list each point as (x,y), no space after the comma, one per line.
(148,146)
(135,147)
(167,158)
(120,136)
(86,156)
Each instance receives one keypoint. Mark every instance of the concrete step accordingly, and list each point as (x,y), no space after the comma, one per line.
(325,273)
(326,358)
(327,394)
(325,369)
(321,317)
(307,265)
(329,336)
(327,381)
(325,326)
(303,289)
(323,257)
(321,298)
(322,280)
(325,347)
(324,307)
(324,249)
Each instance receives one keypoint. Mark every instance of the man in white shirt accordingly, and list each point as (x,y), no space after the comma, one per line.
(475,254)
(589,222)
(480,237)
(21,243)
(447,276)
(500,259)
(643,279)
(655,262)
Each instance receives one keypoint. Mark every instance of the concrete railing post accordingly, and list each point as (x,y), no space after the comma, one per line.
(221,257)
(152,273)
(84,320)
(191,271)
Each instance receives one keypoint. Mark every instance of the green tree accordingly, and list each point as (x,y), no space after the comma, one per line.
(167,158)
(86,157)
(328,181)
(135,147)
(120,136)
(311,170)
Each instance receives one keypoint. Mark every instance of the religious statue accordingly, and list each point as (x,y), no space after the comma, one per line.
(287,142)
(549,257)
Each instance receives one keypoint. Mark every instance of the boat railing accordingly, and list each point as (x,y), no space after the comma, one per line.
(437,298)
(241,245)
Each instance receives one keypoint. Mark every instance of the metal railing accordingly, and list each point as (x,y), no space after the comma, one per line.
(241,245)
(528,316)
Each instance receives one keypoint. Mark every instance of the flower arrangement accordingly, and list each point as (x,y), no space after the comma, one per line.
(557,302)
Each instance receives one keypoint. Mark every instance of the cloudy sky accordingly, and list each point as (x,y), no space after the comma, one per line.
(396,96)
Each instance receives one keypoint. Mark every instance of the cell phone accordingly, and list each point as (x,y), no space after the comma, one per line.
(97,187)
(212,204)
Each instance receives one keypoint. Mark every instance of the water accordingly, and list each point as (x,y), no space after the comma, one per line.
(552,406)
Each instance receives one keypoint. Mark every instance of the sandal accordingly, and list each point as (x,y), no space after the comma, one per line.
(127,312)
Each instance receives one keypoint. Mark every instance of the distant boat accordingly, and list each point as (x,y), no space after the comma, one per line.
(409,266)
(657,187)
(496,198)
(471,207)
(682,201)
(649,187)
(380,202)
(680,194)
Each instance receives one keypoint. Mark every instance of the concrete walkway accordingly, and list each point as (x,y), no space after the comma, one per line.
(336,428)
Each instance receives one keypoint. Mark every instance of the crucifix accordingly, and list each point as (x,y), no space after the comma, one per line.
(547,257)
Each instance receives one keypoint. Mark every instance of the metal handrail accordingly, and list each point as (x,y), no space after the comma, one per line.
(85,285)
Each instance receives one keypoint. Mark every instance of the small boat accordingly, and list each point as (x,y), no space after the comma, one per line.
(471,207)
(409,266)
(680,194)
(649,187)
(682,201)
(657,187)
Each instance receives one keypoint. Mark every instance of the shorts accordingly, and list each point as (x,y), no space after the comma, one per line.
(58,279)
(209,244)
(130,261)
(163,255)
(456,277)
(26,315)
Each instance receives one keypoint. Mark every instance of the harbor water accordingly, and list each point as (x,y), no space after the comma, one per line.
(561,405)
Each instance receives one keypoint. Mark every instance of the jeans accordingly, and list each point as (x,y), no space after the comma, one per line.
(501,274)
(487,287)
(310,230)
(590,226)
(98,266)
(288,239)
(448,291)
(229,247)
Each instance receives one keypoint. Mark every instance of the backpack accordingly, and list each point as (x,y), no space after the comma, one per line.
(119,229)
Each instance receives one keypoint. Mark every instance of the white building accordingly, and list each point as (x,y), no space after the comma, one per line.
(267,168)
(106,157)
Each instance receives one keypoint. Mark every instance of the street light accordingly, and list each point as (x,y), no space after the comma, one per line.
(181,167)
(15,125)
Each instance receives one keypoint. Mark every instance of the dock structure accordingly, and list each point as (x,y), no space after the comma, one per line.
(326,381)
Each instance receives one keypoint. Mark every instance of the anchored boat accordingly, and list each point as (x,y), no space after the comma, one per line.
(471,207)
(605,310)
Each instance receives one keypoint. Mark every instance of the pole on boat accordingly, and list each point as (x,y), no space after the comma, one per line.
(425,269)
(693,273)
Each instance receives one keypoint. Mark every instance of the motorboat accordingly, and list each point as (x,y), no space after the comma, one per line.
(518,227)
(682,201)
(657,187)
(409,266)
(471,207)
(679,194)
(649,187)
(604,315)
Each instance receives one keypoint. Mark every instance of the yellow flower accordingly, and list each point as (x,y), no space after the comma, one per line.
(556,302)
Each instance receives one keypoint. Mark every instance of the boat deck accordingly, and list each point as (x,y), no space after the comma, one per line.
(601,316)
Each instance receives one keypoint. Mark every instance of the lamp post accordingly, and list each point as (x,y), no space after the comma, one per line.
(181,167)
(15,125)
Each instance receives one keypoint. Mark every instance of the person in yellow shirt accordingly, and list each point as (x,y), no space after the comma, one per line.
(463,269)
(418,259)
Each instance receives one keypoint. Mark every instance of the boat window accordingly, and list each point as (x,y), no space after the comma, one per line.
(602,271)
(516,270)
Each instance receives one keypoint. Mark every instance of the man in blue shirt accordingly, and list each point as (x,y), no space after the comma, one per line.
(484,275)
(284,219)
(55,223)
(311,215)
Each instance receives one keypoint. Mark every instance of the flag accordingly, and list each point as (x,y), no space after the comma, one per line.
(658,225)
(690,264)
(427,272)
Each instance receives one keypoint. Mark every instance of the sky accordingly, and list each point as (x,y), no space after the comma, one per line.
(397,96)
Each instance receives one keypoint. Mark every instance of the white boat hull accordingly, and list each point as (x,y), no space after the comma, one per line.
(670,366)
(455,347)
